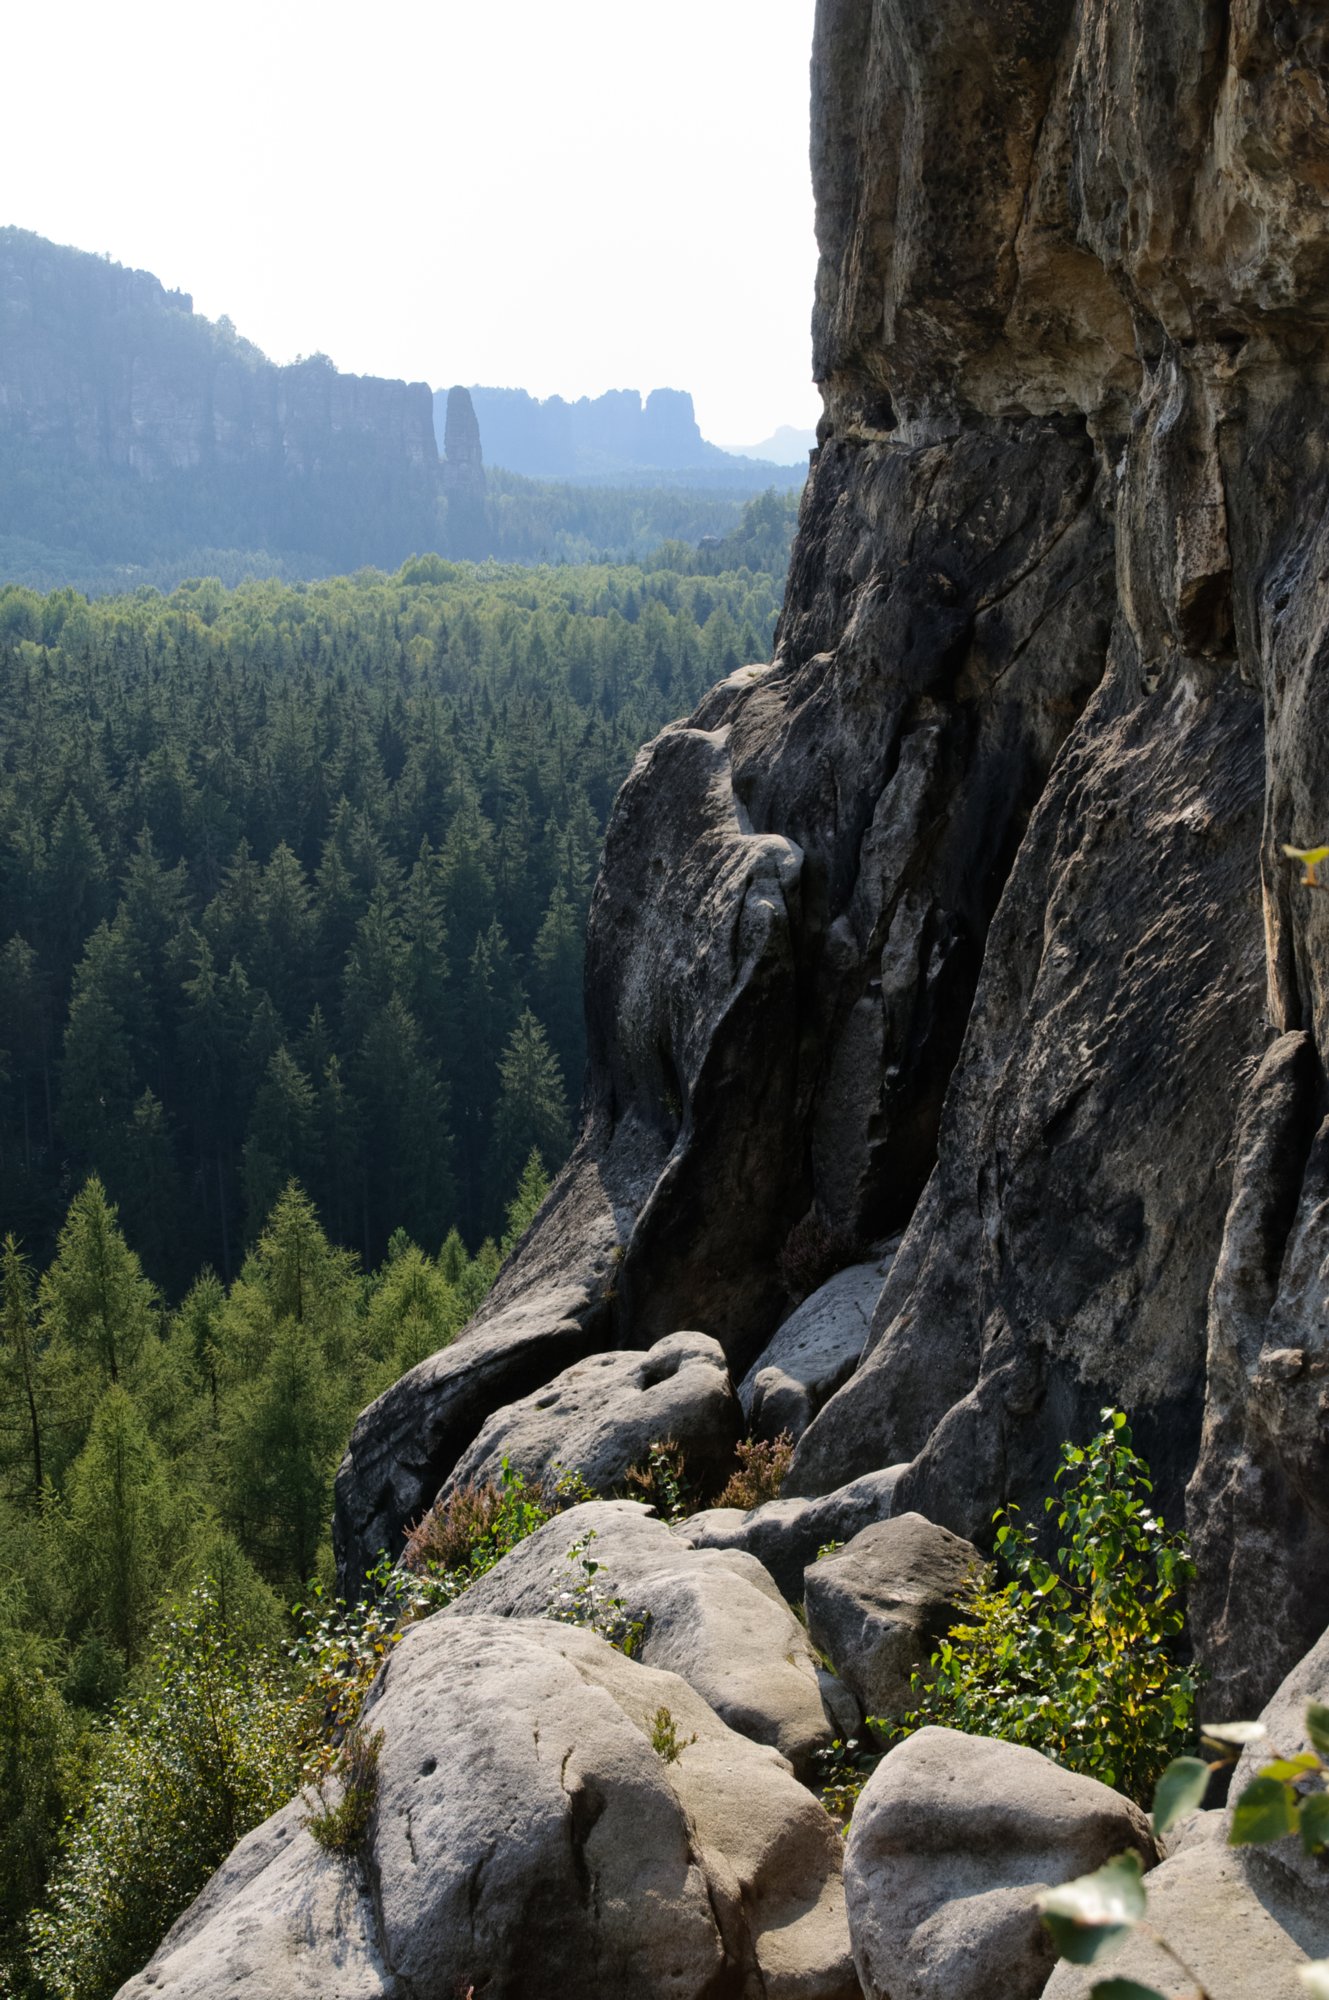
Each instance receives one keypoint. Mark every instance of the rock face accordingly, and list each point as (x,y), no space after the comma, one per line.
(557,1852)
(952,1840)
(967,916)
(880,1604)
(600,1418)
(814,1352)
(714,1617)
(604,437)
(785,1535)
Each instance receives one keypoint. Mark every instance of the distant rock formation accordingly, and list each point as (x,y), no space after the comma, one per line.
(129,424)
(463,477)
(608,438)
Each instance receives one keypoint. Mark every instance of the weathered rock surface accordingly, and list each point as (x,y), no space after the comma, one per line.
(968,912)
(785,1535)
(601,1416)
(713,1617)
(878,1606)
(813,1353)
(951,1841)
(528,1840)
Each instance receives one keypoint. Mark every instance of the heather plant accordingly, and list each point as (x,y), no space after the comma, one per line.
(1076,1657)
(762,1466)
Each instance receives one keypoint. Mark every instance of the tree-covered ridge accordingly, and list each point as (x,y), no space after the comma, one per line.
(293,880)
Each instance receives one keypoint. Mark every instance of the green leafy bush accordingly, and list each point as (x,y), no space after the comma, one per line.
(211,1743)
(1076,1658)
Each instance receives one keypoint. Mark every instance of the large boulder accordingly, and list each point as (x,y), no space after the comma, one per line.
(280,1920)
(786,1535)
(529,1840)
(601,1416)
(880,1604)
(713,1617)
(813,1353)
(951,1842)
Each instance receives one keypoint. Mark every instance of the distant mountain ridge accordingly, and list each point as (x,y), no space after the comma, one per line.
(128,420)
(618,436)
(785,446)
(140,441)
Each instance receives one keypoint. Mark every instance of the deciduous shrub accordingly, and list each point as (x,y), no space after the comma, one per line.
(661,1481)
(1077,1657)
(210,1744)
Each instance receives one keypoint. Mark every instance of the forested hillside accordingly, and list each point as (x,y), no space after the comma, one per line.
(292,895)
(294,880)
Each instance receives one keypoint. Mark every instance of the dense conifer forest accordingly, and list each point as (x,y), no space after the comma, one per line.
(293,888)
(294,881)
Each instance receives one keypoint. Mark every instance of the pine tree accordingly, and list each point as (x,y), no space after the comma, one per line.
(19,1354)
(118,1524)
(532,1112)
(94,1300)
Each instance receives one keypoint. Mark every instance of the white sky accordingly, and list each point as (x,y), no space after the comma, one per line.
(562,198)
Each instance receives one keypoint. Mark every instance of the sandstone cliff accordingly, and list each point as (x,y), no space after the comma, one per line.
(129,423)
(967,916)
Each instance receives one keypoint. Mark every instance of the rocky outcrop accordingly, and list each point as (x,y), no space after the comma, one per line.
(787,1535)
(601,1417)
(878,1606)
(952,1841)
(966,916)
(528,1839)
(714,1617)
(813,1353)
(601,437)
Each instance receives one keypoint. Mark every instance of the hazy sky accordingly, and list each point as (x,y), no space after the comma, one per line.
(564,198)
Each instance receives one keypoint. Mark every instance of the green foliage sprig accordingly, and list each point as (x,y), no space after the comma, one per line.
(666,1742)
(1091,1917)
(1076,1657)
(594,1606)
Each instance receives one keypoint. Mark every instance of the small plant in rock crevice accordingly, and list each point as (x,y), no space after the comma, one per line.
(593,1605)
(762,1467)
(341,1828)
(660,1480)
(1076,1658)
(843,1768)
(666,1742)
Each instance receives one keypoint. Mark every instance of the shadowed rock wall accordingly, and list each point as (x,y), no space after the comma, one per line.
(968,913)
